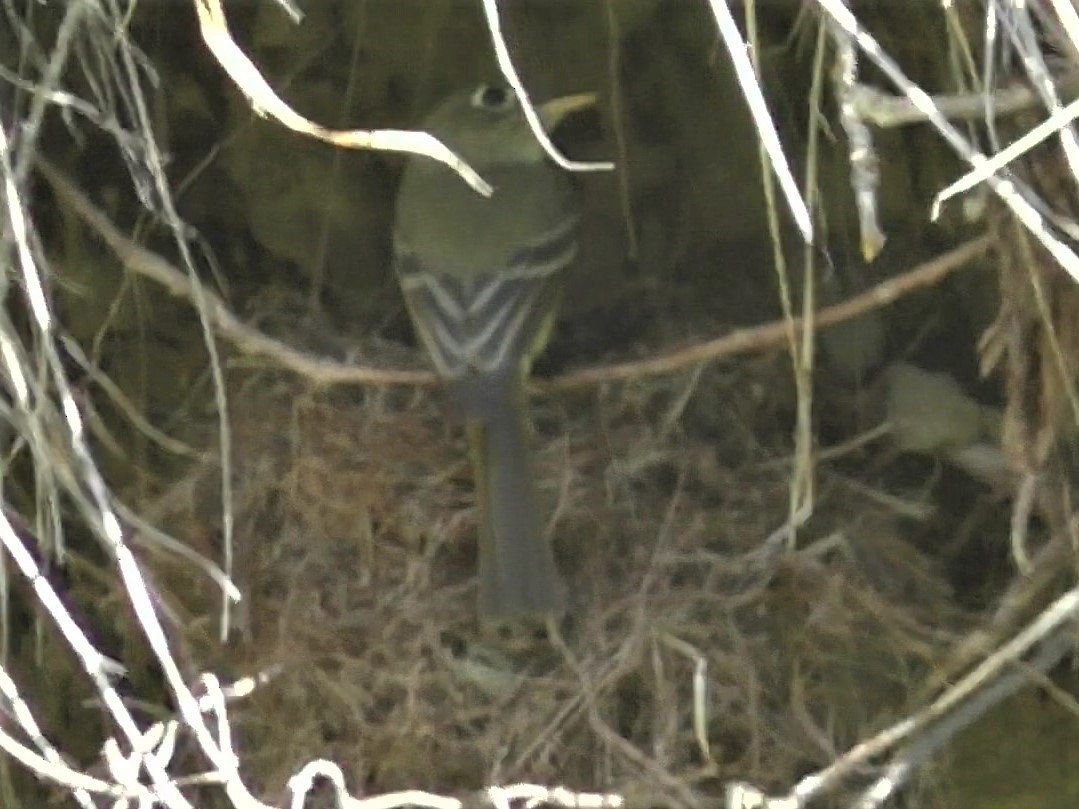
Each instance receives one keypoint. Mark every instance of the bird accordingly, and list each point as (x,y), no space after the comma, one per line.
(482,278)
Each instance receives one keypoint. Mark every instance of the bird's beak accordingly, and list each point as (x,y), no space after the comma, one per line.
(555,111)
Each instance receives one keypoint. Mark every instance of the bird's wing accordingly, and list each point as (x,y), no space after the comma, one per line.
(495,318)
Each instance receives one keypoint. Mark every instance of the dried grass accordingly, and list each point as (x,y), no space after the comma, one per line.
(354,529)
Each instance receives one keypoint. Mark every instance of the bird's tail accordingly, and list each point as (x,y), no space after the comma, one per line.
(517,574)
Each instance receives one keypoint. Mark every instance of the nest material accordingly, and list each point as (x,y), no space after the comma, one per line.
(354,540)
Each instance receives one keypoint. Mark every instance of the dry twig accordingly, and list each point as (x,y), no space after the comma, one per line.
(325,371)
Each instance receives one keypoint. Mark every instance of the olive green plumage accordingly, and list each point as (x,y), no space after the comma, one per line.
(482,279)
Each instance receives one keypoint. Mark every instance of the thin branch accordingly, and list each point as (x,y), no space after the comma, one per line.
(769,335)
(886,111)
(1005,188)
(513,79)
(150,265)
(325,371)
(265,102)
(737,50)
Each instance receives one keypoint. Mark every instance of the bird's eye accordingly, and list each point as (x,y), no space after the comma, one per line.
(490,97)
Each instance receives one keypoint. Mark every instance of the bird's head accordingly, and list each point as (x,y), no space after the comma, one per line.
(487,126)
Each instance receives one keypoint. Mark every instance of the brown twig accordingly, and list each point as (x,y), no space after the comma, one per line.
(773,334)
(885,111)
(326,371)
(141,261)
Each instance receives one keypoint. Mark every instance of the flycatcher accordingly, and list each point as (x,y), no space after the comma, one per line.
(482,279)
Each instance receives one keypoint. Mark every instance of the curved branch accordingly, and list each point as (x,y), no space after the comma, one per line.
(326,371)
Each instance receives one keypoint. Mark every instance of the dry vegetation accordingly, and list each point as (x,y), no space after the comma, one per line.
(765,567)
